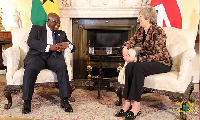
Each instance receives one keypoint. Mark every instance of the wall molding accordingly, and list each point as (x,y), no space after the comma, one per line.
(101,8)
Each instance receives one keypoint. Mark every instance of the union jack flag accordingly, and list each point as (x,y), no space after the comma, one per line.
(168,13)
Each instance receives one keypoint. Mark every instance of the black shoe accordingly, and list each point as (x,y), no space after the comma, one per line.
(65,104)
(26,107)
(130,115)
(121,113)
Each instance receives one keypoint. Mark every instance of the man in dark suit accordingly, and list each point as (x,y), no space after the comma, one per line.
(47,45)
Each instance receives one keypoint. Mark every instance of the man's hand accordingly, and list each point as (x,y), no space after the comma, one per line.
(62,46)
(54,48)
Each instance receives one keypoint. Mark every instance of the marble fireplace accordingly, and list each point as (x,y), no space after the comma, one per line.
(89,16)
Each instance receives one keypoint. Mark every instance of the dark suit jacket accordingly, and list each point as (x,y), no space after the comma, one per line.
(37,41)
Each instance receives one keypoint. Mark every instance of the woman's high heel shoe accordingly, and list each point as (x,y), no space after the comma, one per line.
(121,113)
(130,115)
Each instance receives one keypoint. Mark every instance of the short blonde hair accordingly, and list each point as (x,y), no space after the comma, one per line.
(149,14)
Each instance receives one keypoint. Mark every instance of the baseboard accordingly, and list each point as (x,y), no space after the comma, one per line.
(195,75)
(2,72)
(93,83)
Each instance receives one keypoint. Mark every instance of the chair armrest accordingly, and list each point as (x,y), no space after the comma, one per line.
(68,56)
(186,60)
(121,77)
(185,74)
(12,57)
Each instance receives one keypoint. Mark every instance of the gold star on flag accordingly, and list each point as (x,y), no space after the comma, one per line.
(46,0)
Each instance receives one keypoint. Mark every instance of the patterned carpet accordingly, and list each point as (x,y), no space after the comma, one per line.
(46,106)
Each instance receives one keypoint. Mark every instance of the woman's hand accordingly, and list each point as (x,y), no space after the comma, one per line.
(130,59)
(127,56)
(125,52)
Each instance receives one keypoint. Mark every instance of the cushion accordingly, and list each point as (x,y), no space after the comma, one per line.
(178,41)
(19,38)
(164,81)
(45,75)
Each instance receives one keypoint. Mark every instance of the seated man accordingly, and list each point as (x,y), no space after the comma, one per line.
(47,44)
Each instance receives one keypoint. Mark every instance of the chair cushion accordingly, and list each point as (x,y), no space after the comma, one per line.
(164,81)
(45,75)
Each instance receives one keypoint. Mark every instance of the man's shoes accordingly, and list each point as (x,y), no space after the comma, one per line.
(65,104)
(26,107)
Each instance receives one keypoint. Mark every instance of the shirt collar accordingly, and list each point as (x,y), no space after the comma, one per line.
(47,27)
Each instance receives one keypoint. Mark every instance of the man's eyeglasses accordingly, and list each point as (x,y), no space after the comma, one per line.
(55,21)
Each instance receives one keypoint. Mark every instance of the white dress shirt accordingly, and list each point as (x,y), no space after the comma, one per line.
(50,40)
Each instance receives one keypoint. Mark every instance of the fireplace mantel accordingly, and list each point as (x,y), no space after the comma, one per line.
(70,9)
(99,12)
(101,8)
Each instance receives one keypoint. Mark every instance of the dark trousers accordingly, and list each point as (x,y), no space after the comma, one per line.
(135,74)
(33,68)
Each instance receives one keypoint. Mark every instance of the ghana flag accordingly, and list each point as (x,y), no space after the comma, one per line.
(41,8)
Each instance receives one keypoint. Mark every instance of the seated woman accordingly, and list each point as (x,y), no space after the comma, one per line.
(154,58)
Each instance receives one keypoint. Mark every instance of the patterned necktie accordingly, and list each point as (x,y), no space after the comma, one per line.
(54,42)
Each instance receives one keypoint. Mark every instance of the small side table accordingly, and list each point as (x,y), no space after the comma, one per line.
(100,54)
(5,38)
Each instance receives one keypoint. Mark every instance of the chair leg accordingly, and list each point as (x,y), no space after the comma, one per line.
(119,92)
(8,90)
(191,88)
(185,102)
(184,106)
(188,100)
(183,116)
(71,89)
(9,98)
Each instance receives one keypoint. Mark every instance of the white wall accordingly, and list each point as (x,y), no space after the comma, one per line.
(190,14)
(8,6)
(190,19)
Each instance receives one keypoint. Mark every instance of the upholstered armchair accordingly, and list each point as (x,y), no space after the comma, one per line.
(176,84)
(13,59)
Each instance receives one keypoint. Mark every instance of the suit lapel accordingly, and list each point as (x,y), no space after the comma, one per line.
(44,34)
